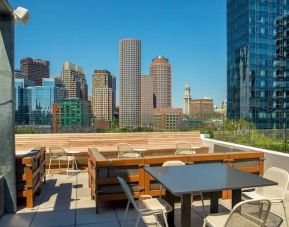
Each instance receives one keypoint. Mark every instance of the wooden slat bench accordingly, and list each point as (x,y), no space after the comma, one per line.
(107,141)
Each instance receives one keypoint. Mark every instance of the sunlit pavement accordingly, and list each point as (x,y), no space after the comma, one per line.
(66,202)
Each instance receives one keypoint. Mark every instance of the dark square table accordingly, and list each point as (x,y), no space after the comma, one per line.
(213,178)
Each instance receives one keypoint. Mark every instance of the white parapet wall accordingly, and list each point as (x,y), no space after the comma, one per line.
(272,158)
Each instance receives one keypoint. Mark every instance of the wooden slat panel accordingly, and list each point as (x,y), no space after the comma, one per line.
(107,141)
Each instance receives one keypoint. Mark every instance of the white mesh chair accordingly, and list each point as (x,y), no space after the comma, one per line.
(250,213)
(180,163)
(171,163)
(147,207)
(126,151)
(276,194)
(59,154)
(183,148)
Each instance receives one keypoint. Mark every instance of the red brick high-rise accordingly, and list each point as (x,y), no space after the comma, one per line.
(35,69)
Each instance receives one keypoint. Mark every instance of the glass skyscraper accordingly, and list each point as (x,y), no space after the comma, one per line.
(251,28)
(39,101)
(20,85)
(281,101)
(34,103)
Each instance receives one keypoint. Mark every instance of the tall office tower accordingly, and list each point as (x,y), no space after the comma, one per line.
(74,80)
(130,82)
(35,69)
(187,100)
(161,72)
(250,55)
(147,101)
(103,97)
(281,91)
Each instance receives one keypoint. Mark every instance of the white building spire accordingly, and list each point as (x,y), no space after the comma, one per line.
(187,99)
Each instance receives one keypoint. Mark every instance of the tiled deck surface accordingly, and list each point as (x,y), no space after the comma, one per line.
(66,202)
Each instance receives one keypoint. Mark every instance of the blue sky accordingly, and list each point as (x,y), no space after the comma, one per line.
(192,34)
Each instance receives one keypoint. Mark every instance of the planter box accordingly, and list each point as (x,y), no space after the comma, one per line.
(104,167)
(30,174)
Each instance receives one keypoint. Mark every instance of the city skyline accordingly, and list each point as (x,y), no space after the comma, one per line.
(182,41)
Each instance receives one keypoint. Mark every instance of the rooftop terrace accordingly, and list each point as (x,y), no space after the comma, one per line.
(66,201)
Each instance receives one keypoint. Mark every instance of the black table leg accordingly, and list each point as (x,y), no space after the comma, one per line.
(186,210)
(236,197)
(171,215)
(214,208)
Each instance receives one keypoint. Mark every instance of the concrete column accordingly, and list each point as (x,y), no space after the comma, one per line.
(7,121)
(2,198)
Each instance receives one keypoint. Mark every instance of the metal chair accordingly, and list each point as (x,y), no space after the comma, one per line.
(183,148)
(171,163)
(276,194)
(59,154)
(250,213)
(126,151)
(147,207)
(180,163)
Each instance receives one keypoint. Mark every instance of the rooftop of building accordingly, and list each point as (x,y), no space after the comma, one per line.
(130,39)
(65,201)
(160,60)
(73,67)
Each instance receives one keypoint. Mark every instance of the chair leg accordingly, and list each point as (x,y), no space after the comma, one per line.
(125,213)
(137,221)
(67,167)
(204,223)
(75,164)
(157,222)
(165,219)
(285,213)
(126,209)
(49,166)
(59,166)
(202,198)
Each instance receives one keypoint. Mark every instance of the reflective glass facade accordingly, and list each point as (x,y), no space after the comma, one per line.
(20,109)
(34,103)
(39,101)
(281,94)
(251,28)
